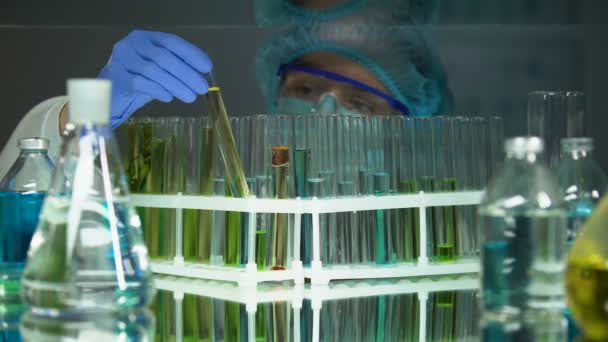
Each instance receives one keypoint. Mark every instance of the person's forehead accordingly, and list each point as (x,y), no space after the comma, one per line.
(341,65)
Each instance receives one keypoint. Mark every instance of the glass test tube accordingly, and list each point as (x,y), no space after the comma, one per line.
(281,170)
(218,231)
(424,145)
(154,216)
(496,137)
(575,111)
(363,129)
(397,234)
(245,140)
(463,163)
(263,165)
(446,234)
(173,180)
(328,166)
(219,117)
(301,160)
(547,119)
(408,184)
(233,235)
(381,188)
(347,187)
(192,187)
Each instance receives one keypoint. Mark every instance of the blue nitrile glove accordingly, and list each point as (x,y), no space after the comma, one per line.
(147,66)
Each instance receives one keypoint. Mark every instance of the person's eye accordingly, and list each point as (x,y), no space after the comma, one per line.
(360,105)
(302,90)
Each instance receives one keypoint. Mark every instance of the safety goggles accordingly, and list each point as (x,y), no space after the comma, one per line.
(311,84)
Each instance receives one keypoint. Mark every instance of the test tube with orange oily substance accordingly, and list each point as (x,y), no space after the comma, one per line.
(280,223)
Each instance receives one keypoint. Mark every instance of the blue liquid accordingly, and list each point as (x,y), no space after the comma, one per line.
(19,215)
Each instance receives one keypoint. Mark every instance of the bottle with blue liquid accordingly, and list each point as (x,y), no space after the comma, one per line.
(88,253)
(582,181)
(21,194)
(523,237)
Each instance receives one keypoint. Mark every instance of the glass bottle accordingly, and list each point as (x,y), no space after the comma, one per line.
(21,194)
(523,237)
(582,182)
(88,251)
(587,276)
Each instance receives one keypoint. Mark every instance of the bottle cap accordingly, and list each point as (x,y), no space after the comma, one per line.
(33,144)
(89,101)
(577,144)
(522,145)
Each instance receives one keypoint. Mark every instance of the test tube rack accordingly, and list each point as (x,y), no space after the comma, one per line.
(317,294)
(317,272)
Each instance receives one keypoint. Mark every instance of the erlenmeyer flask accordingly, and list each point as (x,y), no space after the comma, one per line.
(587,276)
(88,251)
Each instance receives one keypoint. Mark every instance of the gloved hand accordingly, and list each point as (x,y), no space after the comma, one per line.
(147,66)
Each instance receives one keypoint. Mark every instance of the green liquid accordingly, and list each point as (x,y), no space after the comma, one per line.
(197,223)
(233,236)
(154,216)
(410,219)
(280,221)
(381,189)
(233,322)
(446,246)
(191,318)
(232,161)
(260,248)
(432,217)
(260,323)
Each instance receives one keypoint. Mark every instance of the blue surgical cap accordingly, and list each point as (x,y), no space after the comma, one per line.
(399,56)
(285,12)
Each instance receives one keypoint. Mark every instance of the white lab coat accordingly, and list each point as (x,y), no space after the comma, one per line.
(42,121)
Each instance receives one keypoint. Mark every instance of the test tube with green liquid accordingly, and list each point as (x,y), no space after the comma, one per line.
(154,216)
(233,231)
(190,216)
(264,188)
(235,174)
(445,234)
(408,184)
(218,232)
(173,181)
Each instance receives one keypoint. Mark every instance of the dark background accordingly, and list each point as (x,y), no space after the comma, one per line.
(495,52)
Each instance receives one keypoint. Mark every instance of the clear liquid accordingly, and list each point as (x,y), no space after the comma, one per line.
(106,268)
(19,214)
(522,261)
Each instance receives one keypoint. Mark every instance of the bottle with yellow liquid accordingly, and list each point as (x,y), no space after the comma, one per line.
(587,276)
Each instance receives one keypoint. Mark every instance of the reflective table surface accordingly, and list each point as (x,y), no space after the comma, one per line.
(428,309)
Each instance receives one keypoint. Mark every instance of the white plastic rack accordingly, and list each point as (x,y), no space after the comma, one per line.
(317,273)
(317,294)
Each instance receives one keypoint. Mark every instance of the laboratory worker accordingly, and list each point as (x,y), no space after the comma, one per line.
(360,63)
